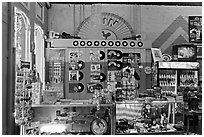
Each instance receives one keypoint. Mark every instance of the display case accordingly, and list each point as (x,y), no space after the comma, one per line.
(149,117)
(172,75)
(71,119)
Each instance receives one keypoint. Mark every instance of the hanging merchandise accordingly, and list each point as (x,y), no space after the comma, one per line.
(23,95)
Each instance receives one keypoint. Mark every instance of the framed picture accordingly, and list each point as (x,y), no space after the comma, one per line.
(156,54)
(195,29)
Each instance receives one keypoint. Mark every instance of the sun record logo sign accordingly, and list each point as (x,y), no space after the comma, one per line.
(105,26)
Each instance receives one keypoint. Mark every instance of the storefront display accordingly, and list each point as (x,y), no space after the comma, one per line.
(98,91)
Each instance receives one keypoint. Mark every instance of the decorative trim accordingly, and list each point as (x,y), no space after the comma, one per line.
(26,5)
(39,11)
(106,26)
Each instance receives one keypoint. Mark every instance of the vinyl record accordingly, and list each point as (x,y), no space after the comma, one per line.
(119,65)
(81,65)
(76,87)
(119,54)
(102,55)
(102,77)
(81,75)
(80,87)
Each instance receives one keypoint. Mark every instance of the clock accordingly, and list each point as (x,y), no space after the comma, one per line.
(99,126)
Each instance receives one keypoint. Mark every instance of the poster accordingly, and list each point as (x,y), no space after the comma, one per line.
(195,29)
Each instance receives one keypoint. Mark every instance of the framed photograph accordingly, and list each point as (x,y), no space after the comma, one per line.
(156,54)
(195,29)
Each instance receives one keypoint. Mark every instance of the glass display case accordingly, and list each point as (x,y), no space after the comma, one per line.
(149,117)
(172,75)
(71,119)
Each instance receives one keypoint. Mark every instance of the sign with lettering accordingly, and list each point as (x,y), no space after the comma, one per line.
(106,26)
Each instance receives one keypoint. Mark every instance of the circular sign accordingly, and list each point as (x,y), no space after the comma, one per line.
(148,70)
(107,26)
(166,57)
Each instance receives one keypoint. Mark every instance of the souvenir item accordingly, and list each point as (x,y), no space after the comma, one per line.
(76,87)
(114,65)
(91,87)
(114,54)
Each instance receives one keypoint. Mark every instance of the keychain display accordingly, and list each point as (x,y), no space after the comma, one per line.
(24,79)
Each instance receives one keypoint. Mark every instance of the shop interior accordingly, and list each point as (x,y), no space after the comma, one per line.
(101,68)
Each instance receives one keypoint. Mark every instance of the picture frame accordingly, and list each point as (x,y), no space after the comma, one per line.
(195,29)
(156,54)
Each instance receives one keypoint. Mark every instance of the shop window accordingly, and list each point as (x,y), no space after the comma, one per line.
(39,11)
(39,51)
(22,36)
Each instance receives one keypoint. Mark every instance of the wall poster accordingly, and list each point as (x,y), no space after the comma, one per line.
(195,29)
